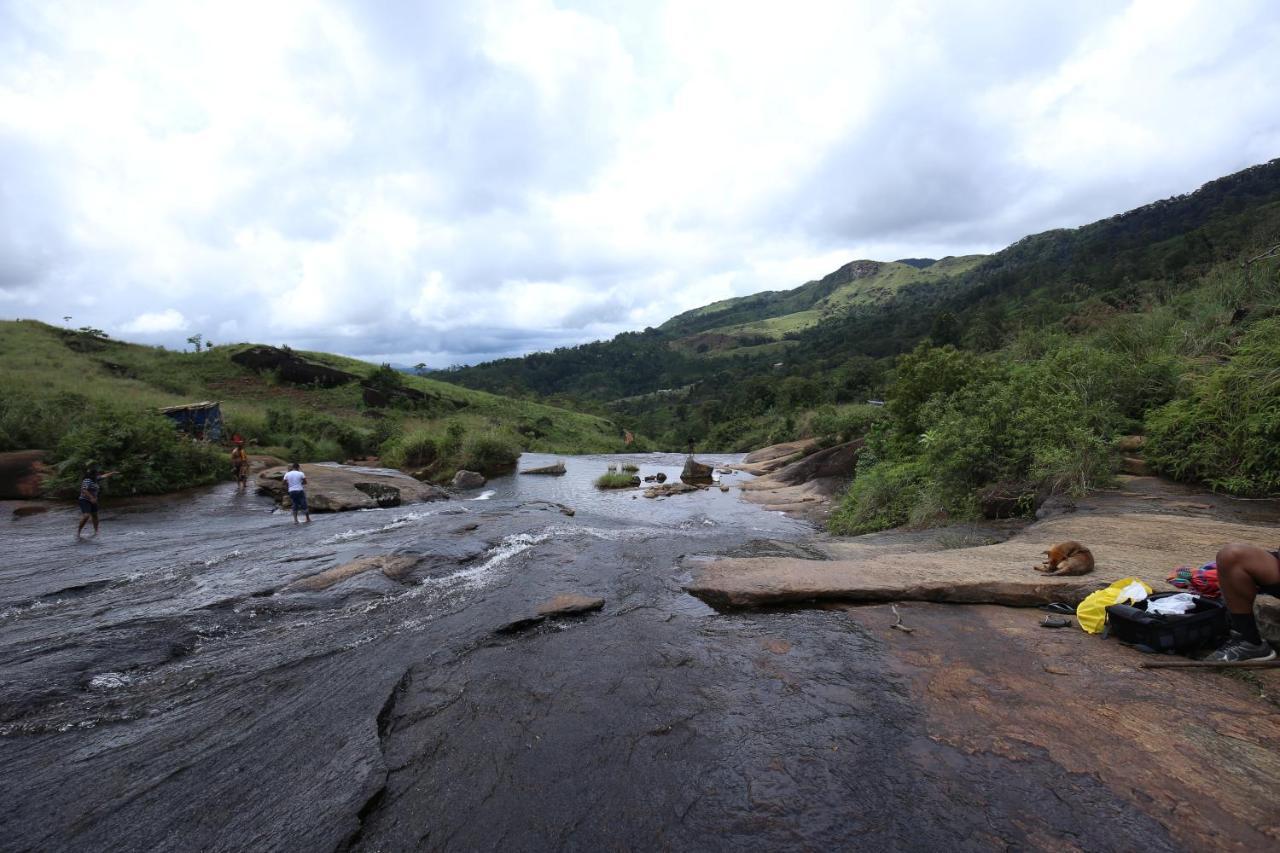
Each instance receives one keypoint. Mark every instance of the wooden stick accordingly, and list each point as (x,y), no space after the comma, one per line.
(1196,664)
(903,628)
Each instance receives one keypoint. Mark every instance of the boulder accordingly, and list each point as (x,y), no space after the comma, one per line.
(22,474)
(766,460)
(696,472)
(468,480)
(805,487)
(551,470)
(339,488)
(29,509)
(291,367)
(380,398)
(661,477)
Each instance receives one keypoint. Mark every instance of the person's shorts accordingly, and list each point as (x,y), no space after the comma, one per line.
(299,501)
(87,506)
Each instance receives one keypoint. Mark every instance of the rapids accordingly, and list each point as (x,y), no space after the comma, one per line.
(159,690)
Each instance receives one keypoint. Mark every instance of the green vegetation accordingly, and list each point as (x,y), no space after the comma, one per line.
(615,480)
(85,397)
(1007,376)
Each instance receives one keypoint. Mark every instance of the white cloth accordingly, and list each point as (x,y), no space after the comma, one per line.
(1133,593)
(1173,605)
(294,480)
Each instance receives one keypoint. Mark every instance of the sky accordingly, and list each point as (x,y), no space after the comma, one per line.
(452,182)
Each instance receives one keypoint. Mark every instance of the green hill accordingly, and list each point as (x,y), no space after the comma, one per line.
(1016,368)
(63,390)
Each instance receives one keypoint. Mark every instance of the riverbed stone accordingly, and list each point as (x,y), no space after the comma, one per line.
(668,489)
(569,604)
(554,470)
(392,567)
(341,488)
(468,480)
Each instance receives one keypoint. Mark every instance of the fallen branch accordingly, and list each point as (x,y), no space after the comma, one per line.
(903,628)
(1207,664)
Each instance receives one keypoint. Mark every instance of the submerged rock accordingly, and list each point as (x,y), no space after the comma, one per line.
(468,480)
(552,470)
(393,567)
(29,509)
(569,604)
(670,489)
(340,488)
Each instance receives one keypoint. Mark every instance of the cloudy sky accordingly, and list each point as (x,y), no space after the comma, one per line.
(453,181)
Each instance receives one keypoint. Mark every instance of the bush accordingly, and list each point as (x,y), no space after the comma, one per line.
(490,453)
(1226,432)
(151,456)
(615,480)
(417,449)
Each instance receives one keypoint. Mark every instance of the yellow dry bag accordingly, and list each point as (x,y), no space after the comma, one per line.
(1092,612)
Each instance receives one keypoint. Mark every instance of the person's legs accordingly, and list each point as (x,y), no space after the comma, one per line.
(94,516)
(1242,569)
(84,519)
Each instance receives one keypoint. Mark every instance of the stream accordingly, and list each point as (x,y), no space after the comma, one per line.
(161,690)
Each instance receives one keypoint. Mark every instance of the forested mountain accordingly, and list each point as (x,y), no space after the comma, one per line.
(737,373)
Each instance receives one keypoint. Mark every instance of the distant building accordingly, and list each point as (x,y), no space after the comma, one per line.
(198,420)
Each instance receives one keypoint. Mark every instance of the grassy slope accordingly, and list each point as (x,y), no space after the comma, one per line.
(779,313)
(41,361)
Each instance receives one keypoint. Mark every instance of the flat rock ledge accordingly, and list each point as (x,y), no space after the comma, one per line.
(341,488)
(1143,545)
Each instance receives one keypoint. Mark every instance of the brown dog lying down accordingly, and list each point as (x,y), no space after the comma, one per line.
(1067,558)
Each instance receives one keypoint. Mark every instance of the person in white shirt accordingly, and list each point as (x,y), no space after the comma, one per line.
(295,481)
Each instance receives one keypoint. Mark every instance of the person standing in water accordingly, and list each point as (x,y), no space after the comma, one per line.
(295,481)
(240,465)
(88,500)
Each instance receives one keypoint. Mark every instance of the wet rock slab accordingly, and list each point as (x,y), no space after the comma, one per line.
(564,604)
(341,488)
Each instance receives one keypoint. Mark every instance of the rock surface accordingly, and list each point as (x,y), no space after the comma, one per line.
(26,510)
(668,489)
(1177,743)
(22,474)
(292,367)
(806,487)
(340,488)
(393,567)
(769,459)
(1129,543)
(569,604)
(468,480)
(554,470)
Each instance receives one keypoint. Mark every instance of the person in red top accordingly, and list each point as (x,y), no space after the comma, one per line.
(240,464)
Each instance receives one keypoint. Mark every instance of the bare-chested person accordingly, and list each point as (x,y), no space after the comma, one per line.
(1244,571)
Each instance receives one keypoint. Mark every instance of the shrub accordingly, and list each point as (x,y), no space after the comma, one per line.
(416,449)
(615,480)
(1226,432)
(490,453)
(151,456)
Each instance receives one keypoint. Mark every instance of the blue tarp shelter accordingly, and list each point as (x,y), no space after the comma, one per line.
(198,420)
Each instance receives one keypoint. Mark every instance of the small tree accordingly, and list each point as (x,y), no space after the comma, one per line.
(420,368)
(194,340)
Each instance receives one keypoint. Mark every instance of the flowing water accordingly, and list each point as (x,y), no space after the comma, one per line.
(161,688)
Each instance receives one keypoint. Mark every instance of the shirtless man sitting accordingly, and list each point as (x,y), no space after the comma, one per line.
(1243,572)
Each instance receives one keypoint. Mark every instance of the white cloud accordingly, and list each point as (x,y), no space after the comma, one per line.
(153,323)
(456,181)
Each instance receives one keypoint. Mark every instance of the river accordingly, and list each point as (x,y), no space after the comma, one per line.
(160,690)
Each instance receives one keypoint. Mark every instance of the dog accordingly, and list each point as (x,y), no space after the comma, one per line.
(1067,558)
